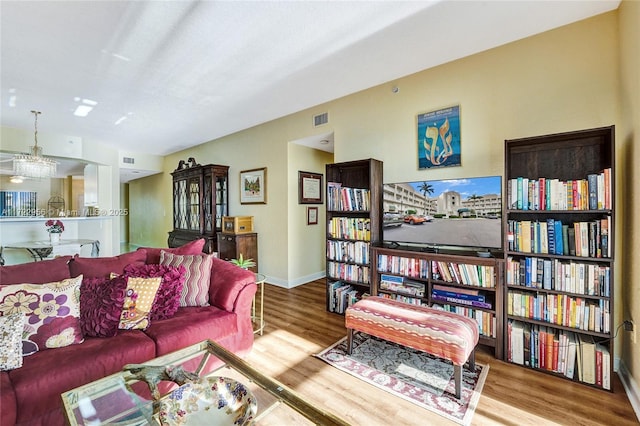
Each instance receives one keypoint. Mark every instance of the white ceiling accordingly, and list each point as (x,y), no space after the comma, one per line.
(167,75)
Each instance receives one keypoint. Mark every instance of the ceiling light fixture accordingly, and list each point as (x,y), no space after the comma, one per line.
(34,165)
(16,179)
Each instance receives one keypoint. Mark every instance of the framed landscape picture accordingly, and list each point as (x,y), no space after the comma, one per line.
(439,138)
(253,186)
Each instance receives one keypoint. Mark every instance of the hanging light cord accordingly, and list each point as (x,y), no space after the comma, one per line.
(36,113)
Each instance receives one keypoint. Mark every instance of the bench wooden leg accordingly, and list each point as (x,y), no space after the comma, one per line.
(349,340)
(457,373)
(472,361)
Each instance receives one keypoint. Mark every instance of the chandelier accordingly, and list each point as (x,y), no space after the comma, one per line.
(34,165)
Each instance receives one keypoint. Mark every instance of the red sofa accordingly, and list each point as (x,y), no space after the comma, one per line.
(30,395)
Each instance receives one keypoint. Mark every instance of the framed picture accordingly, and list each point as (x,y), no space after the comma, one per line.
(439,138)
(253,186)
(312,215)
(309,188)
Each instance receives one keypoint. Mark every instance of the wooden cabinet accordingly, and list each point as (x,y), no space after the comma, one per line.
(559,254)
(200,199)
(467,285)
(354,222)
(230,246)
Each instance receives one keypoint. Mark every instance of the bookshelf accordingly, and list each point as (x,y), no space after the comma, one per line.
(559,254)
(467,285)
(354,208)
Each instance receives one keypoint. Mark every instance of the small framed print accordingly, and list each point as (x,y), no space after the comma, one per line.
(309,188)
(253,186)
(312,215)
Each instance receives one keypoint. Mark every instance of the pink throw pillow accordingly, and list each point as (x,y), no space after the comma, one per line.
(93,267)
(192,247)
(195,291)
(42,272)
(101,301)
(168,298)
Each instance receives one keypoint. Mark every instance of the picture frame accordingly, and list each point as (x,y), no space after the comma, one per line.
(438,138)
(312,215)
(310,188)
(253,186)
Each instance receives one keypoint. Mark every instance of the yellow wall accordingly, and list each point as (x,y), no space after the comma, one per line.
(628,202)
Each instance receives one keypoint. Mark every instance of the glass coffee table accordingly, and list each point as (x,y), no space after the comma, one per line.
(124,399)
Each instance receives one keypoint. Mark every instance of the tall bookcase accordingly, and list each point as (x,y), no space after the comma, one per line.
(354,222)
(467,285)
(559,254)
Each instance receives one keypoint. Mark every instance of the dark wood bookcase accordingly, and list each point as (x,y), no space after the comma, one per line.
(354,222)
(559,244)
(454,283)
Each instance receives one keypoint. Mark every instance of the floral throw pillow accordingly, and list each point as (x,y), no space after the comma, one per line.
(195,291)
(168,298)
(11,327)
(138,301)
(52,312)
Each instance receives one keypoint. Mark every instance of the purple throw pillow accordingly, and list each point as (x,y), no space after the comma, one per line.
(167,299)
(101,301)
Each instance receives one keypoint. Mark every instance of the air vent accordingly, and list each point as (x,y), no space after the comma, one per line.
(320,119)
(128,160)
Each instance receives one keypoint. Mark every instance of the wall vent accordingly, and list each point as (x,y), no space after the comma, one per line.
(320,119)
(128,160)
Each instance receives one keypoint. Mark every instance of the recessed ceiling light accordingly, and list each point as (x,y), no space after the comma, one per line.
(82,110)
(16,179)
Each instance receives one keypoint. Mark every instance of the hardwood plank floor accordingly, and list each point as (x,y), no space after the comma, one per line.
(298,326)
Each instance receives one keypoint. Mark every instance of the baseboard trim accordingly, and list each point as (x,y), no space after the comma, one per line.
(630,387)
(296,282)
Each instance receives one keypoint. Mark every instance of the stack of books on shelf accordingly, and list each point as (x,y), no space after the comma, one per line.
(486,320)
(341,296)
(348,251)
(575,356)
(347,199)
(462,296)
(551,236)
(352,228)
(472,275)
(409,267)
(401,285)
(591,193)
(553,274)
(348,272)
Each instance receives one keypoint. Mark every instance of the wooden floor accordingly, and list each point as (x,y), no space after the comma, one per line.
(298,326)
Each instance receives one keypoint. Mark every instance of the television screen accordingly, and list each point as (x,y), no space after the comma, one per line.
(463,212)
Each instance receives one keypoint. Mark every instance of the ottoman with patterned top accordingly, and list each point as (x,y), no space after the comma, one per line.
(439,333)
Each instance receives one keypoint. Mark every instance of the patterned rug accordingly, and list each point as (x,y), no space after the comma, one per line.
(415,376)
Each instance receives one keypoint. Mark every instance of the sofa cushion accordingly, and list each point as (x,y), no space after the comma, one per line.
(45,375)
(101,301)
(8,408)
(191,325)
(138,301)
(52,311)
(92,267)
(36,272)
(195,291)
(168,298)
(11,327)
(192,247)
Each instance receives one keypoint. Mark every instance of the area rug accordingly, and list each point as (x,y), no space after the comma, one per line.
(417,377)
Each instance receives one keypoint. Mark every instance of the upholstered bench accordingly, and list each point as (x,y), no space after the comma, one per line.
(439,333)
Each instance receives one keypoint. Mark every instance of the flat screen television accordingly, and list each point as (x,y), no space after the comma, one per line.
(461,213)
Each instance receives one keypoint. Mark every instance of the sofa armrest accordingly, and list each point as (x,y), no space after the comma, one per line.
(227,282)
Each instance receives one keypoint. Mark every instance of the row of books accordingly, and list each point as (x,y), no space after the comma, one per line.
(347,199)
(348,251)
(576,356)
(345,271)
(18,203)
(551,236)
(592,193)
(461,296)
(405,299)
(561,309)
(341,296)
(461,273)
(486,320)
(401,285)
(409,267)
(350,228)
(553,274)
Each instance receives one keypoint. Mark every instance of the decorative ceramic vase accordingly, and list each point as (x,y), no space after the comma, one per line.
(54,238)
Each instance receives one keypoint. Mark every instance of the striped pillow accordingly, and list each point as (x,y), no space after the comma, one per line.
(195,291)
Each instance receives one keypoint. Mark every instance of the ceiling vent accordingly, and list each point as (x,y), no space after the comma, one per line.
(128,160)
(320,119)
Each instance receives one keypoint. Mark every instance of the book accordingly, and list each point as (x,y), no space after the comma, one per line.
(571,355)
(592,182)
(588,358)
(606,365)
(517,342)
